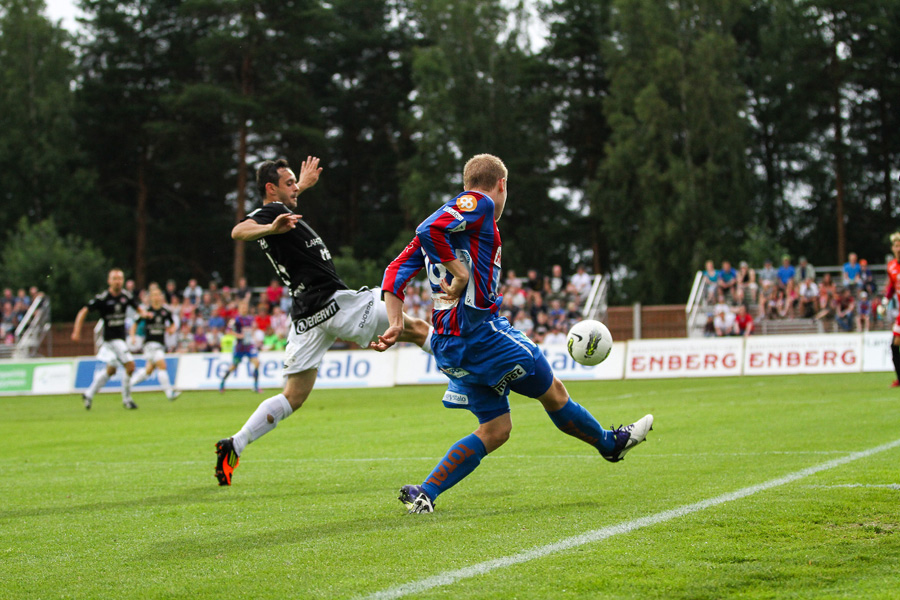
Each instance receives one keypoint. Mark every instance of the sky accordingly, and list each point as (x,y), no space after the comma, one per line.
(64,10)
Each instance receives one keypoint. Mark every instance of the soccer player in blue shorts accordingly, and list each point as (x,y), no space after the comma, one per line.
(484,356)
(244,347)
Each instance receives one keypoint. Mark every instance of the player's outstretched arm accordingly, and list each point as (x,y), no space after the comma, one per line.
(250,230)
(79,322)
(309,173)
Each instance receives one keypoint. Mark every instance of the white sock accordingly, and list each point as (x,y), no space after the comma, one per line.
(100,379)
(427,345)
(139,376)
(126,388)
(263,420)
(163,376)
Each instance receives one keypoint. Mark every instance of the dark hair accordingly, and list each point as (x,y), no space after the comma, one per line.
(267,172)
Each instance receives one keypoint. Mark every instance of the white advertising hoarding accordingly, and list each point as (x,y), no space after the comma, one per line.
(415,367)
(339,369)
(793,354)
(877,351)
(706,357)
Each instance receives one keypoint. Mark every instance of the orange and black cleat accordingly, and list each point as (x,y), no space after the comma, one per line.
(226,460)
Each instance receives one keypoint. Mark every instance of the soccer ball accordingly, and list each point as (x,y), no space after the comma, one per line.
(589,342)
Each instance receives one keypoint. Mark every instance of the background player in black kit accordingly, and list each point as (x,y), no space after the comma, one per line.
(113,306)
(157,323)
(323,308)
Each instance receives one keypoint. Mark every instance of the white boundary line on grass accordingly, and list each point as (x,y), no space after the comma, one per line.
(482,568)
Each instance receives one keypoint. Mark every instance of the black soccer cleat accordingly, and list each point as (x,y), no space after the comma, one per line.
(129,404)
(226,460)
(628,437)
(87,401)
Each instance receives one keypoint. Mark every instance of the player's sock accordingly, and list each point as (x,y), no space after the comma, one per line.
(256,379)
(575,420)
(262,421)
(139,376)
(895,356)
(427,345)
(100,379)
(126,388)
(163,376)
(460,460)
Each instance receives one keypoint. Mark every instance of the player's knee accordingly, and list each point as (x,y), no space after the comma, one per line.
(111,370)
(555,397)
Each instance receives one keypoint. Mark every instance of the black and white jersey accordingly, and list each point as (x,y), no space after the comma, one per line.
(113,310)
(301,260)
(155,324)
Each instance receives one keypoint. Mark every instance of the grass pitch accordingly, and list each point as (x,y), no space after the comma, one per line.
(123,504)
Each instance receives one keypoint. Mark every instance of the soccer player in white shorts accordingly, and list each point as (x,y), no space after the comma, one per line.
(158,322)
(323,308)
(112,305)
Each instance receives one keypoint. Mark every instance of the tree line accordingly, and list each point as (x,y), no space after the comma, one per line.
(642,137)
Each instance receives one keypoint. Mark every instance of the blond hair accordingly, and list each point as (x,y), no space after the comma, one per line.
(895,237)
(483,171)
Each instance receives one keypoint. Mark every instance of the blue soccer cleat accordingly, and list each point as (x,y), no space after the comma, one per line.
(628,437)
(415,499)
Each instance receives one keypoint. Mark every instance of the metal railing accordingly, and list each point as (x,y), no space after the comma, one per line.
(33,329)
(595,307)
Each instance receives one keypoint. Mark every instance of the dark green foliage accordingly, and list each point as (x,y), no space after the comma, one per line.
(642,138)
(69,269)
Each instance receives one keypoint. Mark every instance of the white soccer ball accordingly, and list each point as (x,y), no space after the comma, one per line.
(589,342)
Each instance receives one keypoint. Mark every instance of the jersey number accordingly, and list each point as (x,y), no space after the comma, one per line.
(326,255)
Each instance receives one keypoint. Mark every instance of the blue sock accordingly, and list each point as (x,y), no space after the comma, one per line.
(460,460)
(575,420)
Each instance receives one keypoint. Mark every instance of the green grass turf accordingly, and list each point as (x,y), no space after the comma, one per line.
(123,504)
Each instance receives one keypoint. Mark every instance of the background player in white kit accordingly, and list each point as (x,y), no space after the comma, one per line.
(323,308)
(157,323)
(112,305)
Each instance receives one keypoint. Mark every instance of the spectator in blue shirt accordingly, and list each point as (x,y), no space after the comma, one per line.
(727,279)
(786,271)
(852,273)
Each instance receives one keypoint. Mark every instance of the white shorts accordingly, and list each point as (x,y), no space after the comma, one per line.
(154,352)
(113,352)
(355,316)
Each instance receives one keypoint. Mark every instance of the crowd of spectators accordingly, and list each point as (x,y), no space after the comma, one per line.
(740,297)
(542,307)
(13,308)
(205,317)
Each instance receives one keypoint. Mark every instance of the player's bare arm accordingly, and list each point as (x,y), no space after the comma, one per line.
(309,173)
(394,306)
(79,322)
(455,289)
(250,230)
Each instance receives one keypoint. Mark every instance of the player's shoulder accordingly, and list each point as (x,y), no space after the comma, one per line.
(472,202)
(268,212)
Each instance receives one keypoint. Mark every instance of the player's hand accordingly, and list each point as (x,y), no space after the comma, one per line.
(387,339)
(309,173)
(76,335)
(284,223)
(454,290)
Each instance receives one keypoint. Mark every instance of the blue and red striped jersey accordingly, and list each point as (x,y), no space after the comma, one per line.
(464,229)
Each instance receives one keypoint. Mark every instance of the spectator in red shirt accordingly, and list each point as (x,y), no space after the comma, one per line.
(263,320)
(743,322)
(273,294)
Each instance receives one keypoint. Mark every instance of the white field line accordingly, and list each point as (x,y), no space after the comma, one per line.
(891,486)
(482,568)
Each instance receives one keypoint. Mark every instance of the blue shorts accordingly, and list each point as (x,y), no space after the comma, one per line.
(484,366)
(240,352)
